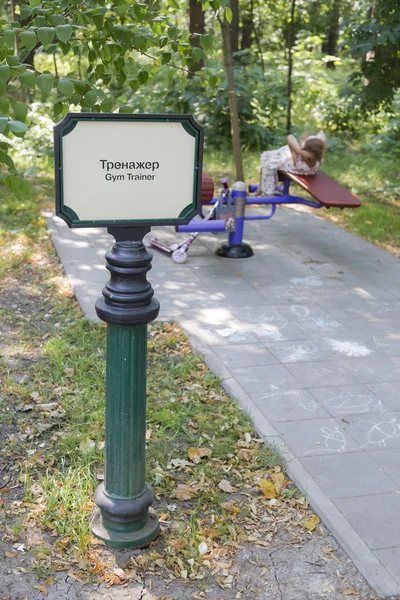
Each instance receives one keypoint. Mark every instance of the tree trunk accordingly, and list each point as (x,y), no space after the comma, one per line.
(196,25)
(290,68)
(247,31)
(234,26)
(333,33)
(233,108)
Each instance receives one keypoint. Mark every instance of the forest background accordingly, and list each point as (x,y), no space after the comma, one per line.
(298,66)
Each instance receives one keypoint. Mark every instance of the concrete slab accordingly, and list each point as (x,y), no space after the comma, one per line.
(305,337)
(344,476)
(372,518)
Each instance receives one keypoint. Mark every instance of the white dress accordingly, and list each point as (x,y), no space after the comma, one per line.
(273,161)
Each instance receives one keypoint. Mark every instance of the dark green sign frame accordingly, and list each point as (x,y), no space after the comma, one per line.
(70,121)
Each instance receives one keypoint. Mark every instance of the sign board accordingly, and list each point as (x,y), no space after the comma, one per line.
(127,170)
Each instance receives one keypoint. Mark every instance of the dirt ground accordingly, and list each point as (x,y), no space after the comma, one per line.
(283,571)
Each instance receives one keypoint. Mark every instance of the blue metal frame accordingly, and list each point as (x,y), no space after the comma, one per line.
(273,201)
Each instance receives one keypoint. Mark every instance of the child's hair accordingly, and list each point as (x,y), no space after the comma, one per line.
(316,147)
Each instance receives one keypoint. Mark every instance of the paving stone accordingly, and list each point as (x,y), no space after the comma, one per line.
(390,558)
(319,325)
(366,308)
(288,405)
(95,274)
(389,344)
(378,326)
(244,355)
(305,350)
(278,331)
(388,460)
(257,314)
(221,316)
(316,437)
(373,519)
(349,345)
(374,431)
(262,379)
(350,400)
(349,474)
(376,369)
(235,333)
(321,373)
(388,393)
(248,297)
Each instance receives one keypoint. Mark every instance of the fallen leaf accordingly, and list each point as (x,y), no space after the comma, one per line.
(196,454)
(230,507)
(10,554)
(203,548)
(279,481)
(41,588)
(350,592)
(69,371)
(185,492)
(225,486)
(267,488)
(311,523)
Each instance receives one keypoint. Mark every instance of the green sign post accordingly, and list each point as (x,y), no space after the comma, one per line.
(127,173)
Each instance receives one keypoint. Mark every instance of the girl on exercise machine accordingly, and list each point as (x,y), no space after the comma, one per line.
(303,158)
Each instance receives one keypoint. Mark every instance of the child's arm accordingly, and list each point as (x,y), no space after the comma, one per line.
(296,150)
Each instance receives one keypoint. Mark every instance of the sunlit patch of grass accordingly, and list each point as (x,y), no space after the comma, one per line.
(66,502)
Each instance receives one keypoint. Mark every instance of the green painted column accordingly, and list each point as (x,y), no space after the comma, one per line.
(126,410)
(122,518)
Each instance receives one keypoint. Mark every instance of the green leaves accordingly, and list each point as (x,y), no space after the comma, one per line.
(31,172)
(63,32)
(9,38)
(28,39)
(45,82)
(90,98)
(4,105)
(46,35)
(66,87)
(17,126)
(206,41)
(3,124)
(21,111)
(5,72)
(27,78)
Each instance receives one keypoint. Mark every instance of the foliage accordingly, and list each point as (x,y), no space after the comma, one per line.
(374,38)
(101,42)
(60,56)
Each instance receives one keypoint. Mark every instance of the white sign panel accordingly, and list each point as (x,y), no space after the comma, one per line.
(127,169)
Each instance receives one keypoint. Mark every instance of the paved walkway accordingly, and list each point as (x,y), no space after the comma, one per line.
(306,336)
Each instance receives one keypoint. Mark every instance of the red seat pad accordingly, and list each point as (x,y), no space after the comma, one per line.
(207,189)
(326,190)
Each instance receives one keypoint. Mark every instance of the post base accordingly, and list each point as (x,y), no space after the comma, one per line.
(131,539)
(228,250)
